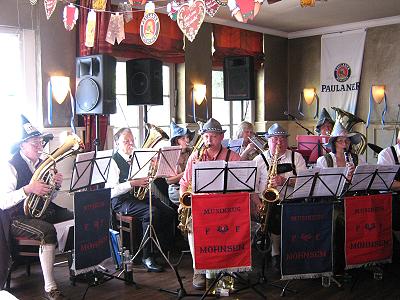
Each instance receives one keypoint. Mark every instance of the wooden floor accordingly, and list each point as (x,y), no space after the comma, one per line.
(360,286)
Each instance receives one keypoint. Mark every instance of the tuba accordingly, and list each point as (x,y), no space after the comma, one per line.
(186,199)
(35,205)
(348,120)
(154,136)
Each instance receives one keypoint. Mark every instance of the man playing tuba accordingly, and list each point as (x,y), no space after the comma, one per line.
(16,186)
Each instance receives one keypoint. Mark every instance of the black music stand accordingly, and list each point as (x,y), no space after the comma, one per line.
(314,144)
(223,177)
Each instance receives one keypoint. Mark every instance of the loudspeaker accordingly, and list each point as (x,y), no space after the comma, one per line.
(239,78)
(95,85)
(144,82)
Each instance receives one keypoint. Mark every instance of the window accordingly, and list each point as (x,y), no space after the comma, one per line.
(133,116)
(238,111)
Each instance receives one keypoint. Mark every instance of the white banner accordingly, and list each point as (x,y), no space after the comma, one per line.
(341,62)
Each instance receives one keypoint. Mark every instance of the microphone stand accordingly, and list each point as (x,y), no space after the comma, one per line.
(309,132)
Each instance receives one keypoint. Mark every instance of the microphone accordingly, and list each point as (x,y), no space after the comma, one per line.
(289,115)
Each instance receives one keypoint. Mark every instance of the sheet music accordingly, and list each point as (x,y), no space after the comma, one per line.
(141,162)
(168,161)
(211,178)
(333,179)
(362,177)
(82,169)
(303,183)
(235,145)
(385,178)
(241,175)
(100,171)
(225,143)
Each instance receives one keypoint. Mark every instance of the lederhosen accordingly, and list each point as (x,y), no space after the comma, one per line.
(396,197)
(38,229)
(274,223)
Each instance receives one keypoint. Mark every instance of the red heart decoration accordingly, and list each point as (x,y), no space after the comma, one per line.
(190,18)
(211,7)
(49,7)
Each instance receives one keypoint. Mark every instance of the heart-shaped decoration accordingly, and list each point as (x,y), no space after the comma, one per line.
(49,7)
(190,18)
(211,7)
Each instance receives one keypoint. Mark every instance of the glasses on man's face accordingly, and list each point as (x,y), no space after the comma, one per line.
(127,142)
(37,143)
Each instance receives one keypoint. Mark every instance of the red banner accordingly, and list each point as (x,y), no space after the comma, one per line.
(368,227)
(221,229)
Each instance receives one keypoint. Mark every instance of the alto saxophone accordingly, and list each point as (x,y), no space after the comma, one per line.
(186,199)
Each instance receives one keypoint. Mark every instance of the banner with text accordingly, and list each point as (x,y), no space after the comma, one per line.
(221,229)
(92,219)
(306,249)
(368,228)
(341,62)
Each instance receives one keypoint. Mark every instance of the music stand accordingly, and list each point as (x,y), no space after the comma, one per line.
(314,144)
(223,177)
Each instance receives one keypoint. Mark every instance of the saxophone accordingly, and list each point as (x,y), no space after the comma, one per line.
(269,196)
(35,205)
(186,199)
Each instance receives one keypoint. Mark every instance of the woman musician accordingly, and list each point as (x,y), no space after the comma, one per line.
(179,137)
(248,151)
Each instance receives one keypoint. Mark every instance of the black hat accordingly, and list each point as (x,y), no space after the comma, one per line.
(177,131)
(28,131)
(323,117)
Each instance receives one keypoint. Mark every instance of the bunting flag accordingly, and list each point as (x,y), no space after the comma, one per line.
(306,250)
(99,5)
(49,7)
(211,7)
(190,18)
(126,9)
(115,29)
(70,15)
(221,229)
(90,29)
(368,229)
(341,63)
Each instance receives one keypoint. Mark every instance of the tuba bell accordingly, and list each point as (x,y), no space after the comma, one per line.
(348,120)
(154,136)
(35,205)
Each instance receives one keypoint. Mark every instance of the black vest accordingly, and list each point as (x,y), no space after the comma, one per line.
(24,175)
(123,177)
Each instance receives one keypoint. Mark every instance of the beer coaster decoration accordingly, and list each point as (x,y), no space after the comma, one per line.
(49,7)
(126,9)
(222,2)
(190,17)
(70,15)
(211,7)
(90,29)
(150,25)
(99,5)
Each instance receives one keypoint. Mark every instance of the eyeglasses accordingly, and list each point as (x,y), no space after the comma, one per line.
(37,143)
(127,143)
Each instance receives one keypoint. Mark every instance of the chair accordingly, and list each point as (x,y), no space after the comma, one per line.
(128,224)
(24,252)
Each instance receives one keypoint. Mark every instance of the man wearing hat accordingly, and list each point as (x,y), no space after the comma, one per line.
(16,186)
(179,137)
(341,155)
(212,135)
(325,123)
(288,164)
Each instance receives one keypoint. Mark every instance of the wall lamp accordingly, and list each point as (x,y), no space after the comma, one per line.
(198,97)
(378,93)
(60,87)
(308,95)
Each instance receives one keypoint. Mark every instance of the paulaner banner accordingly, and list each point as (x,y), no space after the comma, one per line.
(306,249)
(341,62)
(221,229)
(368,227)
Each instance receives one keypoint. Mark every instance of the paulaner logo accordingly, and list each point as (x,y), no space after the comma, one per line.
(341,73)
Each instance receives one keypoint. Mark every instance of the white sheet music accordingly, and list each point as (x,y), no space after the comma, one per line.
(385,177)
(100,172)
(81,173)
(303,183)
(334,180)
(141,162)
(362,177)
(241,175)
(235,145)
(168,161)
(211,178)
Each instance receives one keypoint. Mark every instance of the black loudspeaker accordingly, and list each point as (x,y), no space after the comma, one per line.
(95,85)
(239,78)
(144,82)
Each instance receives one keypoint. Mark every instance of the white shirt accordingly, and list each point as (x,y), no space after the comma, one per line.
(9,194)
(322,162)
(262,171)
(385,157)
(117,188)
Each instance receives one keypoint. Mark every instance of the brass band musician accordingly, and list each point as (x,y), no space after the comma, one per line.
(248,151)
(325,123)
(288,164)
(212,135)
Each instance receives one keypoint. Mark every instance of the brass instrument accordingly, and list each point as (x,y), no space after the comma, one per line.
(186,198)
(260,143)
(154,136)
(35,205)
(271,194)
(348,120)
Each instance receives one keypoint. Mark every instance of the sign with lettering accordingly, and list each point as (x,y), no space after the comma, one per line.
(190,18)
(306,240)
(368,227)
(221,229)
(92,219)
(211,7)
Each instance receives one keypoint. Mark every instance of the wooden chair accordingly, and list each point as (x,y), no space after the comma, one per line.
(128,225)
(24,252)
